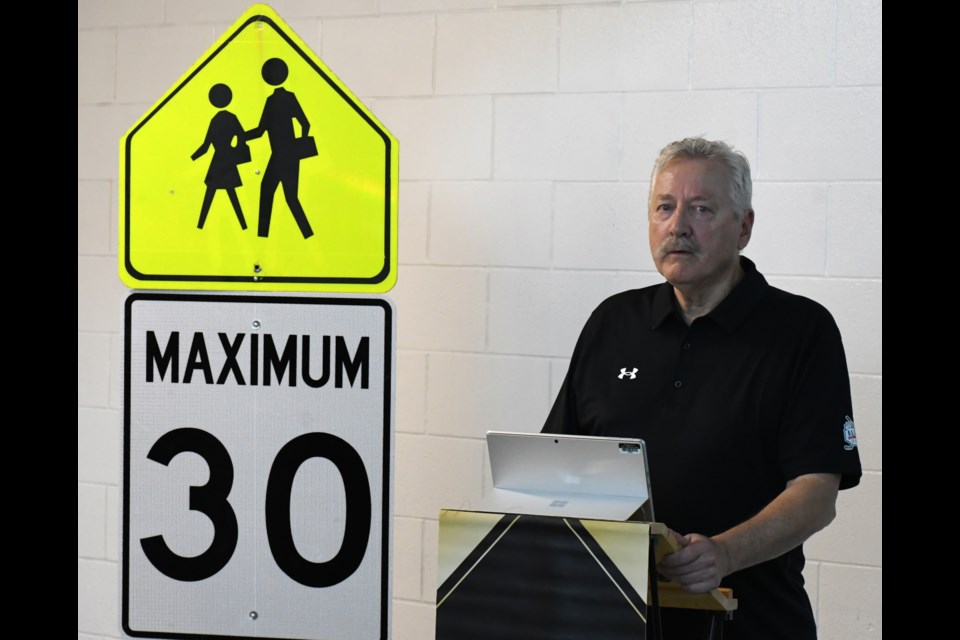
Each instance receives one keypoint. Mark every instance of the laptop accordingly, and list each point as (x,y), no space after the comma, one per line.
(590,477)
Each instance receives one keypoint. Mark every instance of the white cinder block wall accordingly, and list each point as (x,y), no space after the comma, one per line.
(527,132)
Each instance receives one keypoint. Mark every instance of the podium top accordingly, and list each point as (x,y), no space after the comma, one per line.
(671,594)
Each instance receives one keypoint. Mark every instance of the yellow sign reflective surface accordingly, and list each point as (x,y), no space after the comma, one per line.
(259,170)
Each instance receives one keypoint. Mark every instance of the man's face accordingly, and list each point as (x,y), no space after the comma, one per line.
(695,236)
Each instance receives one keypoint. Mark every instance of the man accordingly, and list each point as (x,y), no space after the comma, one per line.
(286,148)
(740,390)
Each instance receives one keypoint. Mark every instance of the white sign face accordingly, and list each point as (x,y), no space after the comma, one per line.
(257,466)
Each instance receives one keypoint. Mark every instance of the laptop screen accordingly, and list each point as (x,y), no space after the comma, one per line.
(567,475)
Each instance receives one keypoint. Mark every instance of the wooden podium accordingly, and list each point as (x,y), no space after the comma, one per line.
(668,594)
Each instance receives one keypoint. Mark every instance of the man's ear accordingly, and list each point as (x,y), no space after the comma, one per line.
(746,229)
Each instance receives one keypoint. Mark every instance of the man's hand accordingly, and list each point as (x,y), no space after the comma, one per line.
(806,505)
(699,566)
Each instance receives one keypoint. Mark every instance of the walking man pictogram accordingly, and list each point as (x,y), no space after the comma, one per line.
(286,149)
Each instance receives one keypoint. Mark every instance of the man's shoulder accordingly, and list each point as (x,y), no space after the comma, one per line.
(794,307)
(791,320)
(621,312)
(632,300)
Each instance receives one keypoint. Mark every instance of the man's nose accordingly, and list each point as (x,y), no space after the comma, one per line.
(680,222)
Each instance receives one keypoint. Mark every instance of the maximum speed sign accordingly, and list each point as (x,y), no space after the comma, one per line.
(257,466)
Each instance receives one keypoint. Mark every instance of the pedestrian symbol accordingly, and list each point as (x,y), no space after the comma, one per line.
(286,149)
(222,174)
(259,170)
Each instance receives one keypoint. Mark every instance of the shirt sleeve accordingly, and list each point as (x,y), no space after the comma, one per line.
(818,433)
(564,416)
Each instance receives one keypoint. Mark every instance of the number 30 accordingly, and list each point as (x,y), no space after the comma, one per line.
(211,500)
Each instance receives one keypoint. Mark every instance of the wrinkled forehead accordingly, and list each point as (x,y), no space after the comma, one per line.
(707,176)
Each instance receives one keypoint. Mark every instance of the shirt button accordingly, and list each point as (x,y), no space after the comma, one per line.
(677,384)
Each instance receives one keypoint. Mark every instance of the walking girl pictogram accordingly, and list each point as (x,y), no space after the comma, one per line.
(224,128)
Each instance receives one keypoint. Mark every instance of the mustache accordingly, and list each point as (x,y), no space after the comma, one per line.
(677,244)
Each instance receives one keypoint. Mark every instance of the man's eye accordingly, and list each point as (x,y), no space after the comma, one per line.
(703,209)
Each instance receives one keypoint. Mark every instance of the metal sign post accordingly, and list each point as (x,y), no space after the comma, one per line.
(258,428)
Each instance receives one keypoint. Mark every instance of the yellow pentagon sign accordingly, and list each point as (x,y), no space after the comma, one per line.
(259,170)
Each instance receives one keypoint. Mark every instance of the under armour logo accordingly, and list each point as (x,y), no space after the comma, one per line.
(624,373)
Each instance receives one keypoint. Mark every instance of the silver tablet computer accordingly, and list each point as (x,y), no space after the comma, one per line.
(568,476)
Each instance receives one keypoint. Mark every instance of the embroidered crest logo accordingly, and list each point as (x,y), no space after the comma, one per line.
(849,434)
(628,374)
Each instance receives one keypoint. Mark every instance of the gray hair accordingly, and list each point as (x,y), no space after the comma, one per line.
(741,186)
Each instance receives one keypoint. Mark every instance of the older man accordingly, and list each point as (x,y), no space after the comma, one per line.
(740,389)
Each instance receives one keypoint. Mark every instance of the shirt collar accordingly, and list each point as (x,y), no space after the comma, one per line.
(731,311)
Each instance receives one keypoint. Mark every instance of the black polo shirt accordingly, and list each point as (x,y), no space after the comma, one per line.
(733,406)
